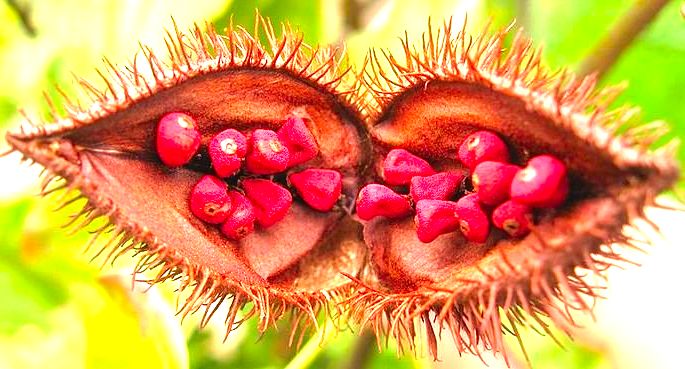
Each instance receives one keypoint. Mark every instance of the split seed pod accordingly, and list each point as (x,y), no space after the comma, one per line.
(107,152)
(375,272)
(428,101)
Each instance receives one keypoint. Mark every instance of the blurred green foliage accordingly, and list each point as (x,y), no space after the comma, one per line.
(60,311)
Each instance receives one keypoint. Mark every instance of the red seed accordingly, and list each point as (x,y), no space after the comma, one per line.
(473,221)
(492,181)
(209,200)
(266,153)
(375,200)
(226,151)
(240,221)
(439,186)
(319,188)
(560,197)
(543,183)
(513,217)
(300,142)
(482,146)
(177,139)
(271,201)
(400,166)
(434,218)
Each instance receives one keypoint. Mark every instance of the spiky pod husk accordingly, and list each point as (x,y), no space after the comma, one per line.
(427,101)
(105,152)
(450,86)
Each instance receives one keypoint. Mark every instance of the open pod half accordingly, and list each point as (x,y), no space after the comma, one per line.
(377,272)
(428,101)
(108,153)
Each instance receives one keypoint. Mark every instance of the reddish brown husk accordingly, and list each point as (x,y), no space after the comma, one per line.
(108,153)
(428,104)
(377,272)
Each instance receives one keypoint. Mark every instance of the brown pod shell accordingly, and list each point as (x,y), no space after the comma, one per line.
(107,152)
(428,102)
(377,273)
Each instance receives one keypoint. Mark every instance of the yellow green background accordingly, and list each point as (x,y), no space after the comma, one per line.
(58,310)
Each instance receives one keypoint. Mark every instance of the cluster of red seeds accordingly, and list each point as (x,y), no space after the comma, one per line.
(501,194)
(259,152)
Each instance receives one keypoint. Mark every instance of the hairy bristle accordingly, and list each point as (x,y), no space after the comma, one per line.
(201,52)
(574,103)
(189,55)
(502,296)
(488,298)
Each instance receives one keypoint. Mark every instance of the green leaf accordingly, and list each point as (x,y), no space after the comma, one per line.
(653,67)
(28,297)
(652,64)
(28,293)
(130,329)
(60,343)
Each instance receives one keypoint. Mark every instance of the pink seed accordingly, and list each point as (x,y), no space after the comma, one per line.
(543,183)
(513,218)
(439,186)
(270,200)
(375,200)
(177,139)
(482,146)
(492,181)
(299,140)
(473,221)
(226,151)
(560,197)
(266,153)
(319,188)
(400,166)
(434,218)
(209,200)
(240,221)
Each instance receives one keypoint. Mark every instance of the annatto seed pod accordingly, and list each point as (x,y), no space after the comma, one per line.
(376,272)
(449,87)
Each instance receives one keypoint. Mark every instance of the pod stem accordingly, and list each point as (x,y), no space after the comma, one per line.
(607,51)
(311,350)
(23,12)
(361,351)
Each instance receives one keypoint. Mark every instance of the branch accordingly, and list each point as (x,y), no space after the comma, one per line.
(362,351)
(620,36)
(523,14)
(23,12)
(313,348)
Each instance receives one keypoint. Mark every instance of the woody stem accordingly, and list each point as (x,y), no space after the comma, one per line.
(608,50)
(311,350)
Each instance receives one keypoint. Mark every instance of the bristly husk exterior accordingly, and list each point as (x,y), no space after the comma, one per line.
(511,284)
(190,56)
(507,288)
